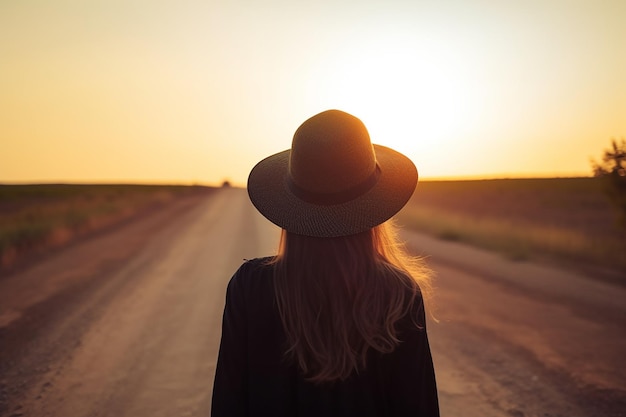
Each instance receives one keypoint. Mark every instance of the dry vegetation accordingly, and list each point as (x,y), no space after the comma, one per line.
(562,219)
(567,219)
(38,217)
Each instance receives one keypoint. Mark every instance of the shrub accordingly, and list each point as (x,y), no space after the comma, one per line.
(612,170)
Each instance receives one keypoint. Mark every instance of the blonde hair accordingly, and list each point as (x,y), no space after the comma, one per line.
(340,297)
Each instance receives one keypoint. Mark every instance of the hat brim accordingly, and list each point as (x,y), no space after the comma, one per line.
(270,193)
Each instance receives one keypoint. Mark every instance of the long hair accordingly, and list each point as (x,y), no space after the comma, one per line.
(340,297)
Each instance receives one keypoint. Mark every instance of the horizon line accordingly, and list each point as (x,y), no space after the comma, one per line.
(238,184)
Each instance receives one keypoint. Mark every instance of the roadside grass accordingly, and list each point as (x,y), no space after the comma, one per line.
(565,219)
(35,217)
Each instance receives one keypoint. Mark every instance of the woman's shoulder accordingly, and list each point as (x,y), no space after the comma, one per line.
(254,265)
(413,297)
(252,272)
(251,288)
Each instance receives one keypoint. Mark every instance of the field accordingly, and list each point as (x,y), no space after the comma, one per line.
(566,220)
(35,218)
(560,219)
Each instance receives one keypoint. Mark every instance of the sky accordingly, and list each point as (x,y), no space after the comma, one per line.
(192,91)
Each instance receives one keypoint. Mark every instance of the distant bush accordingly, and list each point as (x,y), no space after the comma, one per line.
(612,170)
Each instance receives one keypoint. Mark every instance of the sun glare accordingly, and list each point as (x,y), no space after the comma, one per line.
(409,101)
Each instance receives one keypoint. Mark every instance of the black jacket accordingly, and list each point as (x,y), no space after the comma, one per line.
(253,378)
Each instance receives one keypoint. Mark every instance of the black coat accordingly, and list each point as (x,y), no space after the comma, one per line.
(253,378)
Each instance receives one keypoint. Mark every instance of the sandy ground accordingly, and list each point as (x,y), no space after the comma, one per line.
(518,339)
(127,323)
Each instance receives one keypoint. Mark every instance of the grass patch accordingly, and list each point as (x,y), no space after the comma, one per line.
(567,219)
(38,216)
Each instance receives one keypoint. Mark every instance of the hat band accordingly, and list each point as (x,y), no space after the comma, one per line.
(327,199)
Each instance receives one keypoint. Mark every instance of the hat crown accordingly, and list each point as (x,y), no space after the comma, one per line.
(331,152)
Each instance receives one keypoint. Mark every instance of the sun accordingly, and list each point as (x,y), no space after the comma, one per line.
(410,101)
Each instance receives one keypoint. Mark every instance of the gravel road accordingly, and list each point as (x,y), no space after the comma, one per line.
(127,323)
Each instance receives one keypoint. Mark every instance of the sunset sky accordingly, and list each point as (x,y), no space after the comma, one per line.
(199,91)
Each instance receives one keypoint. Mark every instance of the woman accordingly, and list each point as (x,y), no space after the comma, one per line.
(333,325)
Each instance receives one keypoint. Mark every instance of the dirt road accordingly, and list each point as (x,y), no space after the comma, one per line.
(127,324)
(517,339)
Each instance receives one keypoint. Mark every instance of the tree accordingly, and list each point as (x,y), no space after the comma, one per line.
(613,170)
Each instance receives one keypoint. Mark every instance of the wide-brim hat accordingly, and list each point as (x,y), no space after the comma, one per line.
(333,181)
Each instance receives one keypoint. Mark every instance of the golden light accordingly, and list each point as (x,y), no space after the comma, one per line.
(411,100)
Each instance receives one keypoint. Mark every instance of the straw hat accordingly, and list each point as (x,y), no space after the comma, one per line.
(333,181)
